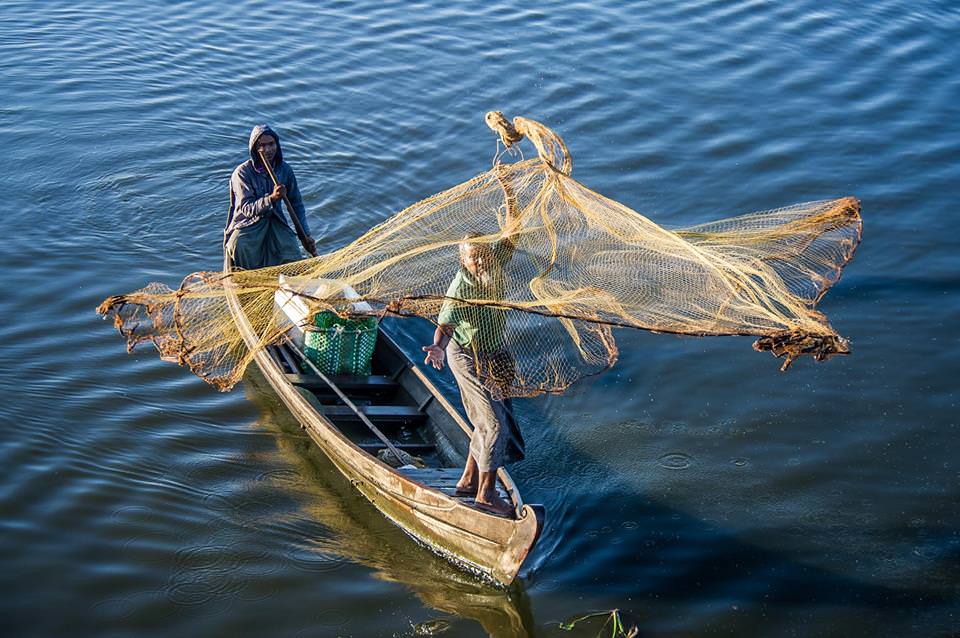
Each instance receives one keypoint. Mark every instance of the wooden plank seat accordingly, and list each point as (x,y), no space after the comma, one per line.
(373,384)
(379,414)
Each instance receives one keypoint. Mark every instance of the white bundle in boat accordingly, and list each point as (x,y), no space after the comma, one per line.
(292,299)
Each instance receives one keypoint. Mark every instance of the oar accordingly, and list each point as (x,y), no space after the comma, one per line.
(293,214)
(405,459)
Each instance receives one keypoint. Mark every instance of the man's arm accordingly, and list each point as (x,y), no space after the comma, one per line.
(435,351)
(248,205)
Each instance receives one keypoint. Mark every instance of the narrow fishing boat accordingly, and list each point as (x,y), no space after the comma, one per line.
(357,533)
(397,409)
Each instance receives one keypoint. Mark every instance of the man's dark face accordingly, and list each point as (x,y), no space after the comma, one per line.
(267,144)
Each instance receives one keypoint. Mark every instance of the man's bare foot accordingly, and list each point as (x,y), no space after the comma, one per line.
(465,489)
(468,485)
(494,505)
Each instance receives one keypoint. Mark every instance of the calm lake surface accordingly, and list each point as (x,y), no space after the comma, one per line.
(694,487)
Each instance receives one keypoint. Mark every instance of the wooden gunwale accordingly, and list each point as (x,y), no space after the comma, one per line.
(492,546)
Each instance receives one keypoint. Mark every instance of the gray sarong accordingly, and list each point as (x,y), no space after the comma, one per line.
(496,436)
(269,242)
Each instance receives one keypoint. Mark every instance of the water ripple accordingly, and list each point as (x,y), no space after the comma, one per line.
(162,505)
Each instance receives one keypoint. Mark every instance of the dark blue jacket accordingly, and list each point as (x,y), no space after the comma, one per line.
(250,188)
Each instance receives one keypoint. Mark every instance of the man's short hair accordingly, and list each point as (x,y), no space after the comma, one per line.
(466,242)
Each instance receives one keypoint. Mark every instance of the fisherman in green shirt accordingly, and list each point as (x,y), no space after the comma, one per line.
(471,338)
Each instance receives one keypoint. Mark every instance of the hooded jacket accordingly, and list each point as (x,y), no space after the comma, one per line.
(250,188)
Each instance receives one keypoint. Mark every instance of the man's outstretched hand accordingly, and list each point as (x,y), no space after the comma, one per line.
(435,356)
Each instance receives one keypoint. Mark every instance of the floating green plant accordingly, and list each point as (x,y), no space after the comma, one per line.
(613,619)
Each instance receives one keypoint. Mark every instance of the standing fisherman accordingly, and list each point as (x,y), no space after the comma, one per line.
(257,234)
(471,339)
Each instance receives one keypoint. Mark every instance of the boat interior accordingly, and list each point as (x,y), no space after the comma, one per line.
(398,401)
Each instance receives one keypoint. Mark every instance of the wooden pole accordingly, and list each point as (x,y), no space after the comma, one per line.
(290,211)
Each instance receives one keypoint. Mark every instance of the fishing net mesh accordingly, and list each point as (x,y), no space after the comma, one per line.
(560,267)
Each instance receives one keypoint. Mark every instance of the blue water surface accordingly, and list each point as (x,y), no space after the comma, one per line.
(694,487)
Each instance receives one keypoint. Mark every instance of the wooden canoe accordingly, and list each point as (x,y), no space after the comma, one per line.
(404,404)
(356,532)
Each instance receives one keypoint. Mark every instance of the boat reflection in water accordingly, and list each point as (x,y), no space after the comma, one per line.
(360,534)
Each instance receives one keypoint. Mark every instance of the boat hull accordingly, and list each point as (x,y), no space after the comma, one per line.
(491,546)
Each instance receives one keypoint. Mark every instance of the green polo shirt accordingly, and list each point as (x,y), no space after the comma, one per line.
(479,326)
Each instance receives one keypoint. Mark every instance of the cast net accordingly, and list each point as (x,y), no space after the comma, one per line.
(560,266)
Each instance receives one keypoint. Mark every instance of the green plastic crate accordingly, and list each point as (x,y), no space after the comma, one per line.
(341,346)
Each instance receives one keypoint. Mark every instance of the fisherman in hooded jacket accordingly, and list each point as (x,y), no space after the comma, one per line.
(257,233)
